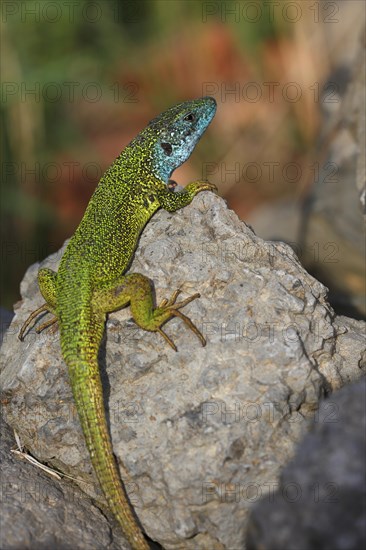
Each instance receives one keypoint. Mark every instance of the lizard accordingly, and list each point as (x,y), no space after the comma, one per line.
(92,281)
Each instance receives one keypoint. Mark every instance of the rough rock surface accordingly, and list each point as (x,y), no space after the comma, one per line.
(321,500)
(41,512)
(200,434)
(5,320)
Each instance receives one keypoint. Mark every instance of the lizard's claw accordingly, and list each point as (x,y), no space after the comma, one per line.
(165,302)
(32,316)
(173,308)
(47,324)
(198,186)
(190,325)
(171,305)
(167,339)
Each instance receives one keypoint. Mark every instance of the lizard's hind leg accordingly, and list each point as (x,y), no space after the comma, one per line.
(47,285)
(135,289)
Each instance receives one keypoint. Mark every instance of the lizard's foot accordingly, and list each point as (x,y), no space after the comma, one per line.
(173,201)
(32,316)
(135,289)
(47,324)
(198,186)
(47,285)
(170,307)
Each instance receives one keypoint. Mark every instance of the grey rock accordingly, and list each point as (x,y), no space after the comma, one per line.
(321,500)
(334,224)
(327,231)
(41,512)
(5,320)
(200,433)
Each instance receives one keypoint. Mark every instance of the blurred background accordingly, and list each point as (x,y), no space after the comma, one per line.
(286,148)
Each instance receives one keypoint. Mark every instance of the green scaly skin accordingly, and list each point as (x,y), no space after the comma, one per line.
(91,280)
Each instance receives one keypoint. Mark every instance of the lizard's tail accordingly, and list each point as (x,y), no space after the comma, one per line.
(88,395)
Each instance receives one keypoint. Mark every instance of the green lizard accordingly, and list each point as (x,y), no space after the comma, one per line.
(91,280)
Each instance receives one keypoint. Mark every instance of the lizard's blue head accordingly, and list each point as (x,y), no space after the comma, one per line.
(177,132)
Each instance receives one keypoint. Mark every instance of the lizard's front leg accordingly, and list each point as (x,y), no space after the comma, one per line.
(135,289)
(171,201)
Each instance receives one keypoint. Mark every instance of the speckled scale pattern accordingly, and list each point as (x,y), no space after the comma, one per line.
(91,280)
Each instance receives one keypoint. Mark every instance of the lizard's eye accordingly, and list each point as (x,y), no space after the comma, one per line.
(167,148)
(189,117)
